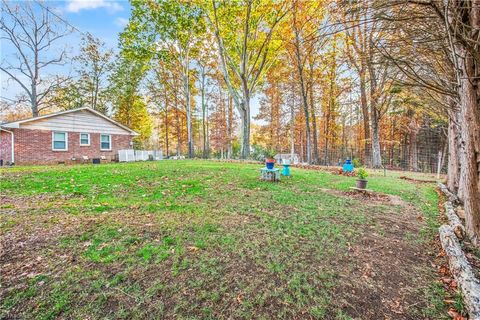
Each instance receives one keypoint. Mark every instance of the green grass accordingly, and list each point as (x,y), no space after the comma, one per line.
(199,239)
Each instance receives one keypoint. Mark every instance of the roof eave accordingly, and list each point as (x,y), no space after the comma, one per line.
(16,124)
(12,125)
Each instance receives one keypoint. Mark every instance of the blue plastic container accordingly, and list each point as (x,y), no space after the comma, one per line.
(347,166)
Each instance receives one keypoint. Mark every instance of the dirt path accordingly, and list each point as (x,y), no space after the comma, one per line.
(391,267)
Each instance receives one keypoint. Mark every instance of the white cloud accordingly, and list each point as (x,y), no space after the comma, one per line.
(121,22)
(78,5)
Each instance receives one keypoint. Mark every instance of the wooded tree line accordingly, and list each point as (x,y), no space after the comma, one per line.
(371,76)
(434,45)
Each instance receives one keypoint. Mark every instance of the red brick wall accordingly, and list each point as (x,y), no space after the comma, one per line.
(35,147)
(5,147)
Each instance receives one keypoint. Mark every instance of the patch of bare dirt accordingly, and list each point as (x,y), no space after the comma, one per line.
(386,269)
(370,197)
(390,268)
(12,204)
(22,249)
(417,180)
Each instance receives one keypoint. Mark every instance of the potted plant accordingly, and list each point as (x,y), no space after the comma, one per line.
(269,160)
(362,175)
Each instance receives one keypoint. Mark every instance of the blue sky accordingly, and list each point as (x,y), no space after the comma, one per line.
(104,19)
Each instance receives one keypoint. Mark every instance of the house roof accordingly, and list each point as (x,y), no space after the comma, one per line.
(16,124)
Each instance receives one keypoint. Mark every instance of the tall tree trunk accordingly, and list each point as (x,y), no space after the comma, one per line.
(179,132)
(315,156)
(208,133)
(453,170)
(307,124)
(303,91)
(245,123)
(376,151)
(166,131)
(178,124)
(186,84)
(292,124)
(95,93)
(374,113)
(366,117)
(393,129)
(229,118)
(33,100)
(276,120)
(326,133)
(413,144)
(413,151)
(307,121)
(271,127)
(245,120)
(204,125)
(469,117)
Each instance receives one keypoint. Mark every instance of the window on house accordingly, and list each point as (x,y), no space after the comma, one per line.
(60,141)
(84,139)
(105,142)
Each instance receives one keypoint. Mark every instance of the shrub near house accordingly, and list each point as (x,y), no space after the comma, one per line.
(63,136)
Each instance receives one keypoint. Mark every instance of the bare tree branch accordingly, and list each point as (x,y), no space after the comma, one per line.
(32,33)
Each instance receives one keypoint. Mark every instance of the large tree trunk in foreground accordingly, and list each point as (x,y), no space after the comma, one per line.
(469,117)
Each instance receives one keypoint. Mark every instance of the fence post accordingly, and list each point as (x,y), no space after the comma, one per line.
(439,164)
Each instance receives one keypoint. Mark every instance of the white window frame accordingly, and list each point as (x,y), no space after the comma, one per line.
(109,142)
(53,141)
(80,138)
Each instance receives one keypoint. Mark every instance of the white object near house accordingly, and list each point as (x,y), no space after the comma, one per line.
(287,158)
(126,155)
(139,155)
(158,155)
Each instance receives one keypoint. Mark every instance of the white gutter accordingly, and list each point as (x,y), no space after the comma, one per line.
(12,144)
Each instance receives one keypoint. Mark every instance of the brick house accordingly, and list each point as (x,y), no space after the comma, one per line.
(69,136)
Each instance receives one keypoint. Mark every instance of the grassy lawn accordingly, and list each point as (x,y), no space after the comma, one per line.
(201,240)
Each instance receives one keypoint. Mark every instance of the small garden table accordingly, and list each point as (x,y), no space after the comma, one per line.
(286,169)
(270,174)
